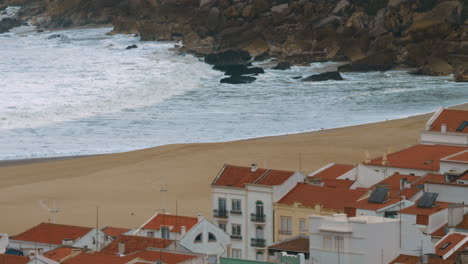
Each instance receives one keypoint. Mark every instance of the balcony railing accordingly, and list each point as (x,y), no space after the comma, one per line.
(257,242)
(220,214)
(285,232)
(233,212)
(259,218)
(239,237)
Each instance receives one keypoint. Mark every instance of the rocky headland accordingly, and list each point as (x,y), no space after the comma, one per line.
(430,36)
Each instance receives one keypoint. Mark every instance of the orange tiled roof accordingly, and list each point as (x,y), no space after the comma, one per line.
(439,232)
(114,231)
(415,210)
(97,258)
(165,257)
(330,198)
(12,259)
(295,244)
(418,157)
(393,183)
(52,233)
(334,171)
(59,253)
(176,221)
(337,183)
(432,177)
(136,243)
(237,176)
(462,157)
(275,177)
(364,204)
(454,239)
(452,119)
(408,259)
(464,223)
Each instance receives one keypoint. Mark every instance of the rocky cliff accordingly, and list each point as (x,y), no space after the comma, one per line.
(430,35)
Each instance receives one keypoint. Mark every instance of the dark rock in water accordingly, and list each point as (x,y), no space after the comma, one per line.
(417,72)
(382,61)
(230,57)
(239,69)
(324,77)
(3,13)
(297,77)
(282,66)
(39,31)
(238,79)
(262,57)
(8,23)
(132,47)
(54,36)
(136,35)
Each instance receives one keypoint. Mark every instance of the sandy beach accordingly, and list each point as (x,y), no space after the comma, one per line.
(125,186)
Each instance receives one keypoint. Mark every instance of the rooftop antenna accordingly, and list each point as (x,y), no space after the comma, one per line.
(163,191)
(53,210)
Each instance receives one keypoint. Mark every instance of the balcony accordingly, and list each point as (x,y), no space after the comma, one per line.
(285,232)
(233,212)
(238,237)
(258,218)
(222,214)
(257,242)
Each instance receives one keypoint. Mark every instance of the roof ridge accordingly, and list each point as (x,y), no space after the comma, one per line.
(262,176)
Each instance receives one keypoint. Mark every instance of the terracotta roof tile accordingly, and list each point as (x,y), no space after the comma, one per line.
(52,233)
(136,243)
(12,259)
(366,205)
(295,244)
(59,253)
(430,177)
(114,231)
(165,257)
(464,223)
(171,220)
(275,177)
(439,232)
(236,176)
(450,241)
(452,119)
(330,198)
(97,258)
(420,157)
(408,259)
(461,157)
(337,183)
(333,172)
(393,182)
(415,210)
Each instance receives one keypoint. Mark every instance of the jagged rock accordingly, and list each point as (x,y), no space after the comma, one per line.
(262,57)
(230,57)
(461,74)
(238,79)
(340,7)
(8,23)
(282,66)
(131,47)
(257,46)
(212,20)
(279,8)
(324,77)
(436,67)
(382,61)
(331,20)
(239,69)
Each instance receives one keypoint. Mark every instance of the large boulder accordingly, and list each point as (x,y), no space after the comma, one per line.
(8,23)
(230,57)
(239,69)
(436,67)
(324,77)
(382,61)
(461,74)
(238,79)
(282,66)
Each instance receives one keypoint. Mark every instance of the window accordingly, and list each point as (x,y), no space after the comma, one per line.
(327,243)
(259,232)
(259,208)
(259,256)
(236,230)
(222,226)
(302,225)
(286,225)
(211,237)
(339,243)
(222,204)
(236,205)
(199,238)
(150,234)
(165,232)
(444,246)
(236,253)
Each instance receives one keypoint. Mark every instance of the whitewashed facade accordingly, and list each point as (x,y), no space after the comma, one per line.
(441,136)
(4,240)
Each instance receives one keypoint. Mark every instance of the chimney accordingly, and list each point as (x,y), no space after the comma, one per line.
(455,214)
(402,184)
(67,242)
(183,229)
(122,248)
(253,167)
(443,128)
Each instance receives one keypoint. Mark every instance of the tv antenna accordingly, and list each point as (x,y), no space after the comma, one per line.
(54,211)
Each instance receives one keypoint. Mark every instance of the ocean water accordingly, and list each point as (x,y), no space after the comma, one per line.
(83,93)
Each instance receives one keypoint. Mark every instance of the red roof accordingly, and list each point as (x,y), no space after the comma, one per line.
(393,183)
(366,205)
(408,259)
(164,257)
(330,198)
(12,259)
(420,157)
(448,243)
(333,172)
(136,243)
(236,176)
(176,221)
(461,157)
(337,183)
(432,177)
(114,231)
(464,223)
(452,119)
(97,258)
(415,210)
(59,253)
(439,232)
(52,233)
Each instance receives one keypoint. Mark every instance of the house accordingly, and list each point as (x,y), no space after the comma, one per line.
(427,259)
(46,236)
(40,259)
(242,200)
(144,256)
(416,160)
(12,259)
(450,244)
(295,246)
(196,234)
(291,212)
(363,239)
(125,244)
(447,126)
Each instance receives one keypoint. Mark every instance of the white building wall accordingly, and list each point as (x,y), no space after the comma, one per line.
(363,176)
(28,247)
(433,137)
(4,240)
(93,240)
(448,193)
(281,190)
(447,166)
(386,171)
